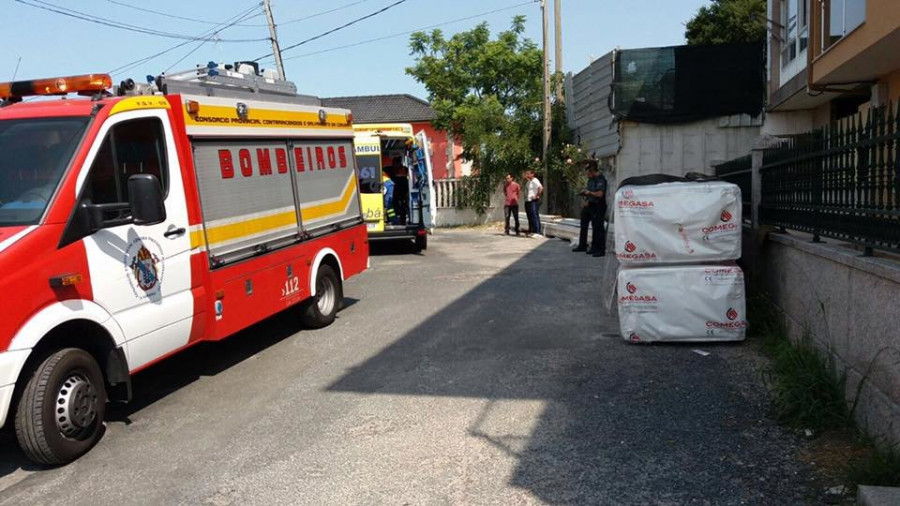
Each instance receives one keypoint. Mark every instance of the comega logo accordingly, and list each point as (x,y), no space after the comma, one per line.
(631,288)
(734,323)
(630,247)
(724,227)
(634,338)
(628,194)
(726,216)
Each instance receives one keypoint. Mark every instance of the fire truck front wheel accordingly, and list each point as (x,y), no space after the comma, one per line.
(60,413)
(319,311)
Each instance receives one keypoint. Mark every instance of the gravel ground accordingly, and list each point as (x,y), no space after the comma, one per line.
(481,372)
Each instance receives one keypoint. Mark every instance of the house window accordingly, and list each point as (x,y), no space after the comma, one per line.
(795,29)
(841,17)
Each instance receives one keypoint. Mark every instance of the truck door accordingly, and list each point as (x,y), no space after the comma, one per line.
(429,206)
(368,163)
(139,274)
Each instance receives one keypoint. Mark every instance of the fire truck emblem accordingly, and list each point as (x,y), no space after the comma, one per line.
(630,287)
(143,266)
(630,247)
(143,261)
(731,314)
(726,216)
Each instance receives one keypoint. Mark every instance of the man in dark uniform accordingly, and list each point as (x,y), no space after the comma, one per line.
(593,212)
(400,176)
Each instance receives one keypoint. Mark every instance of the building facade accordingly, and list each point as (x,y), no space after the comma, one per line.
(446,152)
(829,60)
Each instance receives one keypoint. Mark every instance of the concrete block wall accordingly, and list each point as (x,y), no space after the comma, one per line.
(848,305)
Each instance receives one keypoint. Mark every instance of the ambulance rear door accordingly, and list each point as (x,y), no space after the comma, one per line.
(429,206)
(368,163)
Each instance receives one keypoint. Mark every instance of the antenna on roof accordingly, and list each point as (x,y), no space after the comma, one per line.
(18,61)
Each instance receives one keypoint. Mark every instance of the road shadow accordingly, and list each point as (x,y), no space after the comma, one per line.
(622,423)
(174,373)
(393,247)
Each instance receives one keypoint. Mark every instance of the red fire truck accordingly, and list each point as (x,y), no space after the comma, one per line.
(139,220)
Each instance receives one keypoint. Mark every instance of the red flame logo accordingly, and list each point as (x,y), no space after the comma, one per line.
(631,288)
(628,194)
(634,338)
(630,247)
(731,314)
(726,216)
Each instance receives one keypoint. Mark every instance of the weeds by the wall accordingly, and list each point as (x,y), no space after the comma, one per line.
(808,393)
(881,468)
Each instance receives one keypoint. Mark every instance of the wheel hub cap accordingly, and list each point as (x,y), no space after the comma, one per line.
(76,405)
(325,292)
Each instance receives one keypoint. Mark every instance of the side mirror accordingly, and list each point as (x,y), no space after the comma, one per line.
(146,200)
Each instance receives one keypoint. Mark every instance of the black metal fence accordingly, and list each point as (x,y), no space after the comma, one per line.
(840,181)
(740,172)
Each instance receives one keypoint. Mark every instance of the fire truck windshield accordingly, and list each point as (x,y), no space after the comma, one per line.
(34,153)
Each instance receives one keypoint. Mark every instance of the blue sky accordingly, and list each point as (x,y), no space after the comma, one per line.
(52,44)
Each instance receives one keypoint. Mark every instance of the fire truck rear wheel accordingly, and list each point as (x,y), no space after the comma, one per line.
(60,413)
(320,310)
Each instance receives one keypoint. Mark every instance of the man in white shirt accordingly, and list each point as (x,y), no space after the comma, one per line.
(533,201)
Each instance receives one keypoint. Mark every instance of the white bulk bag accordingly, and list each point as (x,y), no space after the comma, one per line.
(682,303)
(683,222)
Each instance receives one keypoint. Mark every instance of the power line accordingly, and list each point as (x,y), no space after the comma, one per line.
(206,21)
(304,18)
(173,16)
(323,34)
(116,24)
(377,39)
(205,36)
(229,25)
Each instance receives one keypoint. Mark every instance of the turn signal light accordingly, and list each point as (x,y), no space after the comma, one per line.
(56,86)
(66,280)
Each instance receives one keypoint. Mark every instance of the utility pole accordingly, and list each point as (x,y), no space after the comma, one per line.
(557,15)
(274,35)
(547,111)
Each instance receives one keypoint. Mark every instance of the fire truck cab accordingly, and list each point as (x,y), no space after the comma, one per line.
(137,223)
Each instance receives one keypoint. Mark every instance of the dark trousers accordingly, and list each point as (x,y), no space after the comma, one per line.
(514,212)
(534,218)
(401,199)
(593,215)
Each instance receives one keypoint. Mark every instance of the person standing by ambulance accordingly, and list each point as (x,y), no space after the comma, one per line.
(593,212)
(512,191)
(534,190)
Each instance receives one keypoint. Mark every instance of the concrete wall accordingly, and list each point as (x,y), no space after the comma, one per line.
(449,215)
(848,305)
(684,147)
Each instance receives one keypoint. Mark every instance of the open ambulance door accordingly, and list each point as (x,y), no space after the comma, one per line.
(368,163)
(429,204)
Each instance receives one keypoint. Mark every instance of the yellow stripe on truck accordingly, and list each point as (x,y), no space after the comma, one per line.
(223,116)
(137,103)
(231,231)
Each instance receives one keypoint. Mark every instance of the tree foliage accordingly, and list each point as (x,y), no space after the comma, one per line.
(488,92)
(728,21)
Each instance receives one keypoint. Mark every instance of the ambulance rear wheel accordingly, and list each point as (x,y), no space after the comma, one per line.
(320,310)
(421,242)
(60,414)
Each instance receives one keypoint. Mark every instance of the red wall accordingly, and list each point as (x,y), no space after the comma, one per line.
(439,158)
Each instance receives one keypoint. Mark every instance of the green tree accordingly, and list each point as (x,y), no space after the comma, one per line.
(727,22)
(488,92)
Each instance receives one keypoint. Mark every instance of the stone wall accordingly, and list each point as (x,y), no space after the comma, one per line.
(848,305)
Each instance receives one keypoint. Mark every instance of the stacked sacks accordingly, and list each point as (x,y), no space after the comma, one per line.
(677,240)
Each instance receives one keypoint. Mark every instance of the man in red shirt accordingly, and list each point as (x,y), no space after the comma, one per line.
(512,201)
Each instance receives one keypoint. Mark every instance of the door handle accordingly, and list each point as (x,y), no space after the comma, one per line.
(174,232)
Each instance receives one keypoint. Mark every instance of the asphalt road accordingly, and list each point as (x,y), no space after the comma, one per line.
(481,372)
